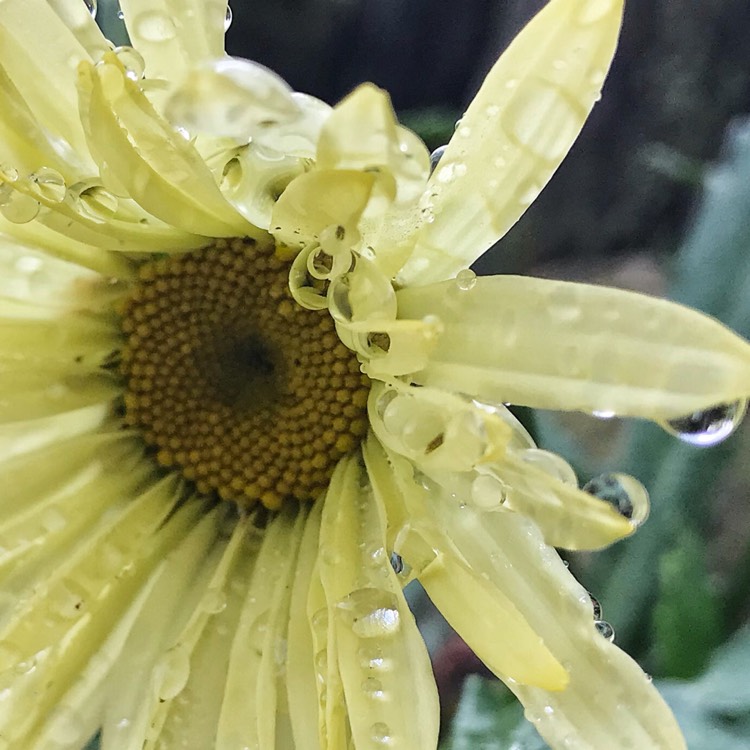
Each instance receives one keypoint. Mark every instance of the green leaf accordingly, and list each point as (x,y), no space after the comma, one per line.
(688,621)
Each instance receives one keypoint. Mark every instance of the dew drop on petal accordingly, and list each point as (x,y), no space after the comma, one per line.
(380,733)
(466,280)
(370,612)
(551,464)
(19,208)
(597,607)
(173,670)
(710,426)
(91,5)
(132,61)
(50,184)
(214,601)
(488,492)
(228,19)
(625,493)
(435,157)
(605,630)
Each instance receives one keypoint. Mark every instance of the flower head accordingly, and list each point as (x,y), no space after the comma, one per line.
(251,389)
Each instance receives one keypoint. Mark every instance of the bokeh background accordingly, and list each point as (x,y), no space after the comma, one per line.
(655,197)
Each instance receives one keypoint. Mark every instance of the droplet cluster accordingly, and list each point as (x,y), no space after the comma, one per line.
(246,393)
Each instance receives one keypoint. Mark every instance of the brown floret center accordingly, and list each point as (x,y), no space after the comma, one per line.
(234,384)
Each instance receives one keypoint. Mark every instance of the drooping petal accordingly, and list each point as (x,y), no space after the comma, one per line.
(385,670)
(514,135)
(160,169)
(559,345)
(470,603)
(172,35)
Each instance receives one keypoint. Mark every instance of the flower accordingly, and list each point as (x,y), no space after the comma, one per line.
(250,389)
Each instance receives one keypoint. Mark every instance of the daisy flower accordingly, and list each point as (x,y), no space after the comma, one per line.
(250,389)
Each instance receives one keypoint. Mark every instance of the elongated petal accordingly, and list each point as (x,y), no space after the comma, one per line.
(470,603)
(160,169)
(55,103)
(558,345)
(174,34)
(385,670)
(514,135)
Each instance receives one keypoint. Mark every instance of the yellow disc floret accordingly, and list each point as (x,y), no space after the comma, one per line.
(234,384)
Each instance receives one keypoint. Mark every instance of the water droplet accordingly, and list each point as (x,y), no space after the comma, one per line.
(132,61)
(380,733)
(597,607)
(19,208)
(625,493)
(92,7)
(95,201)
(397,562)
(172,672)
(603,414)
(154,26)
(543,121)
(466,280)
(552,464)
(435,157)
(488,492)
(121,14)
(605,630)
(228,19)
(371,612)
(373,688)
(50,184)
(592,11)
(709,427)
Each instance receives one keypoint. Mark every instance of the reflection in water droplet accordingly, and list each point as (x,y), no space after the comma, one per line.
(50,184)
(597,607)
(132,61)
(91,5)
(605,630)
(228,19)
(435,157)
(625,493)
(466,280)
(709,427)
(373,688)
(370,612)
(18,208)
(381,734)
(397,562)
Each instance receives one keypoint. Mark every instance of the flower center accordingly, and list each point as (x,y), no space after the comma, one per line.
(234,384)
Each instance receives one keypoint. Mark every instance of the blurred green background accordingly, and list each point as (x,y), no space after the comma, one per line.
(655,197)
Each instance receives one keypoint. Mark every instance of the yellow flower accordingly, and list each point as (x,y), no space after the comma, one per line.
(250,390)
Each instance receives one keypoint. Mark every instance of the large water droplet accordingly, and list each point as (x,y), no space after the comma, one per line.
(50,184)
(380,733)
(92,7)
(466,280)
(173,670)
(228,19)
(596,606)
(371,612)
(625,493)
(132,61)
(435,157)
(605,630)
(708,427)
(19,208)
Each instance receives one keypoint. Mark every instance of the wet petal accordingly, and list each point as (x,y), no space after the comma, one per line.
(388,684)
(161,170)
(558,345)
(173,36)
(318,200)
(514,135)
(471,603)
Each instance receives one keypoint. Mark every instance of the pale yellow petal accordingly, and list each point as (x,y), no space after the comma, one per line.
(472,604)
(172,35)
(159,168)
(59,626)
(251,695)
(385,670)
(79,19)
(317,200)
(514,134)
(45,81)
(559,345)
(301,683)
